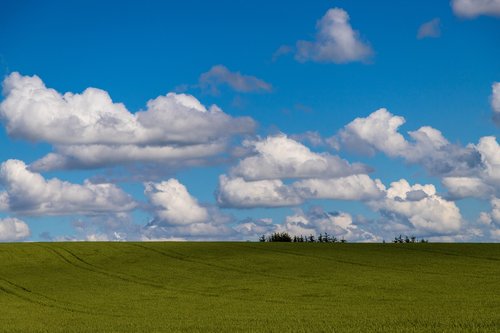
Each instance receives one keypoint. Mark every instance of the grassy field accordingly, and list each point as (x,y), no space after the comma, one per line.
(241,287)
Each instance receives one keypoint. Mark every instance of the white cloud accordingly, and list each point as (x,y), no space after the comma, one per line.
(12,229)
(495,210)
(489,150)
(255,227)
(27,192)
(420,208)
(316,221)
(430,29)
(474,8)
(70,121)
(490,221)
(355,187)
(220,75)
(335,41)
(238,193)
(94,156)
(173,203)
(473,170)
(485,181)
(257,180)
(463,187)
(281,157)
(380,132)
(495,102)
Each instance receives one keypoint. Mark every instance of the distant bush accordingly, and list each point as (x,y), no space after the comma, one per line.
(285,237)
(411,239)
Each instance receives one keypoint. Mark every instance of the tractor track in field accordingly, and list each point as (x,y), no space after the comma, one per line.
(132,279)
(83,264)
(29,296)
(181,257)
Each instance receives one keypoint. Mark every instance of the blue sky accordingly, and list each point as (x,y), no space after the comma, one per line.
(290,81)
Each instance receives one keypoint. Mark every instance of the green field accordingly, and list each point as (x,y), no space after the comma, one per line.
(240,287)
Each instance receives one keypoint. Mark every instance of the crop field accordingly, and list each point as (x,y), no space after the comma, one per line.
(249,287)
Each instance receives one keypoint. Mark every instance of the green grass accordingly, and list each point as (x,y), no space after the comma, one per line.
(241,287)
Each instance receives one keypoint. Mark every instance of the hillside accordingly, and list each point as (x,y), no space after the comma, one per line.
(260,287)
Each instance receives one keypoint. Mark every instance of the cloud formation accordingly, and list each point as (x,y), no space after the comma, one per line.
(12,230)
(470,171)
(379,132)
(220,75)
(317,221)
(26,192)
(257,180)
(418,209)
(90,130)
(238,193)
(282,157)
(173,203)
(355,187)
(493,217)
(335,42)
(473,8)
(430,29)
(495,102)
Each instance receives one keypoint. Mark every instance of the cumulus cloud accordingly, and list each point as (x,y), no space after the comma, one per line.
(173,203)
(495,102)
(490,221)
(474,8)
(419,208)
(430,29)
(258,180)
(278,157)
(335,41)
(30,193)
(495,210)
(463,187)
(95,156)
(379,132)
(317,221)
(238,193)
(485,181)
(71,122)
(255,227)
(313,221)
(355,187)
(220,75)
(178,214)
(471,170)
(489,150)
(12,229)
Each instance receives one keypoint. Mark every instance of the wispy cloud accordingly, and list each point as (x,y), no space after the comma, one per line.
(430,29)
(495,102)
(220,75)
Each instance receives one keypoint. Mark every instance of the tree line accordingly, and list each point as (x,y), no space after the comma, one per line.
(286,237)
(326,238)
(406,239)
